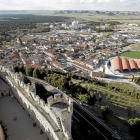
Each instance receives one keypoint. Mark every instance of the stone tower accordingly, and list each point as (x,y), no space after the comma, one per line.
(61,109)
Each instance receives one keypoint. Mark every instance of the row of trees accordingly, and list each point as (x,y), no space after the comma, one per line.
(103,36)
(63,81)
(107,29)
(125,98)
(41,74)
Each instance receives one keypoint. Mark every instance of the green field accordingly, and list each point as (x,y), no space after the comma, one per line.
(2,20)
(134,54)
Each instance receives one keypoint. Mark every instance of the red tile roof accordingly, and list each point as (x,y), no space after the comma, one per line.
(133,65)
(118,63)
(125,64)
(37,66)
(81,66)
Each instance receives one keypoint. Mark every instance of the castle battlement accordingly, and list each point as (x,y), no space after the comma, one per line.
(59,107)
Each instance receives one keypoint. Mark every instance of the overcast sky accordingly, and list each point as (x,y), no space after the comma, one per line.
(119,5)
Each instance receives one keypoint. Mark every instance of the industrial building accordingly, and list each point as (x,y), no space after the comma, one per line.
(125,65)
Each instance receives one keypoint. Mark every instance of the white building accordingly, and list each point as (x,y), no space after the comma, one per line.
(74,24)
(51,26)
(133,24)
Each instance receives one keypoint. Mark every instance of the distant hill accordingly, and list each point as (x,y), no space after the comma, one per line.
(51,12)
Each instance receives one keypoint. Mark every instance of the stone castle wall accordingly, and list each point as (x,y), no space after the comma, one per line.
(55,126)
(1,134)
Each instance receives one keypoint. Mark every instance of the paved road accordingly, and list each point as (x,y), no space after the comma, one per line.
(81,114)
(119,80)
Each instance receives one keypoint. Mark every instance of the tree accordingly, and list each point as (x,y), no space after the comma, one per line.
(80,77)
(108,96)
(129,111)
(70,83)
(134,127)
(29,71)
(105,92)
(112,99)
(4,42)
(42,73)
(12,42)
(86,86)
(36,73)
(118,101)
(100,99)
(124,104)
(21,68)
(16,69)
(135,109)
(92,99)
(88,99)
(84,98)
(105,111)
(26,80)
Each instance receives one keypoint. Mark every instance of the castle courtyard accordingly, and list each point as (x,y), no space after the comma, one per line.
(19,124)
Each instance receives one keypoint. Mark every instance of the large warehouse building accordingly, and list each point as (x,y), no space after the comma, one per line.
(125,65)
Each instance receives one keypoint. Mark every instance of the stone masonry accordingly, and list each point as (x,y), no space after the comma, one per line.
(53,117)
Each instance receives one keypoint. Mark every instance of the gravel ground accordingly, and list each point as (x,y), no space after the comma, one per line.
(21,129)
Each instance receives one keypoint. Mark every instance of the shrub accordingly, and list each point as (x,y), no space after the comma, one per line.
(105,111)
(134,127)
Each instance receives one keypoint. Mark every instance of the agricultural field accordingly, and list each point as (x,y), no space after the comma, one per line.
(128,20)
(96,17)
(134,47)
(133,54)
(117,100)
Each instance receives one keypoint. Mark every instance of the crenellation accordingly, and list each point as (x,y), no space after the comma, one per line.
(70,108)
(42,102)
(57,98)
(22,84)
(37,99)
(50,101)
(25,87)
(33,86)
(33,94)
